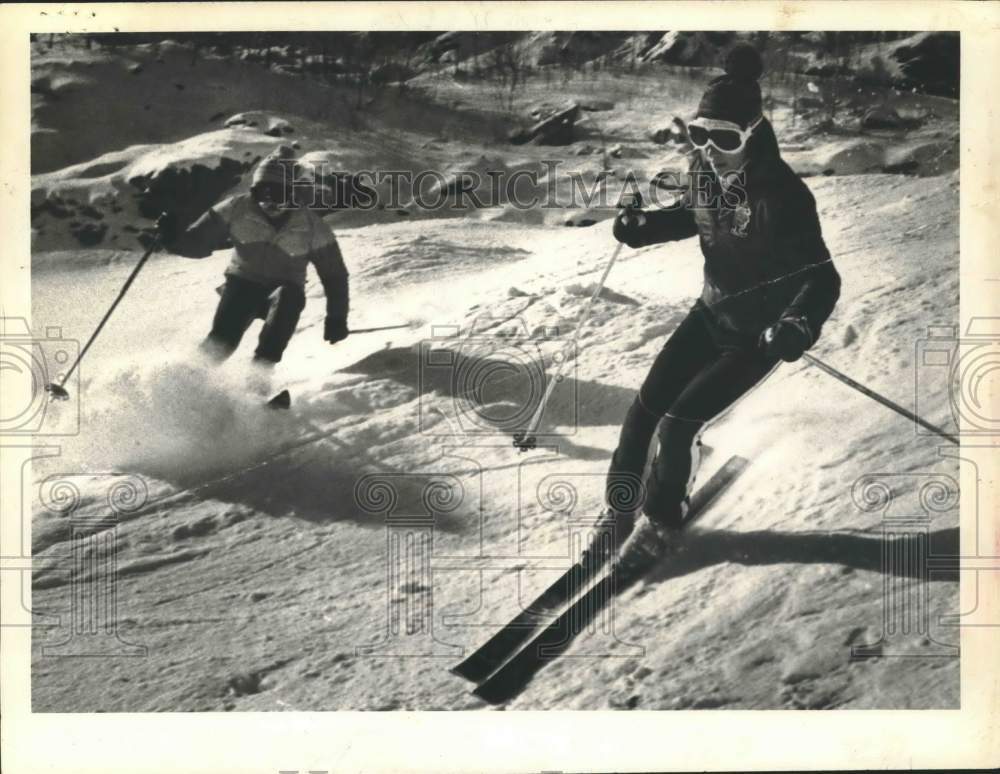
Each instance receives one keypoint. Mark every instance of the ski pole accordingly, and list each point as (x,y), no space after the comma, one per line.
(876,397)
(58,391)
(523,441)
(381,328)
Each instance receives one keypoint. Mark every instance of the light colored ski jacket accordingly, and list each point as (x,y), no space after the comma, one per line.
(267,253)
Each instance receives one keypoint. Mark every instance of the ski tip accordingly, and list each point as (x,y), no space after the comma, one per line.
(494,694)
(459,672)
(282,400)
(471,669)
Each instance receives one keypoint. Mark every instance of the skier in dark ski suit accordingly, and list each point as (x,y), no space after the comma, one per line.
(769,285)
(273,240)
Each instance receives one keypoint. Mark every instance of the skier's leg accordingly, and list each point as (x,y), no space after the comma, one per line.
(688,351)
(709,394)
(238,306)
(286,305)
(674,469)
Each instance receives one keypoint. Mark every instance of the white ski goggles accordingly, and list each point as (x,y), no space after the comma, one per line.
(724,136)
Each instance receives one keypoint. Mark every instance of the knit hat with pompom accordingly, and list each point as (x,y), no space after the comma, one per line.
(279,167)
(735,96)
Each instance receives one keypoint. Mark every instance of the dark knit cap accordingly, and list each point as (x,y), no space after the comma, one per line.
(735,96)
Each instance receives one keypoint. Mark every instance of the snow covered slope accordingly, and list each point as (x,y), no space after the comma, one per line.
(256,569)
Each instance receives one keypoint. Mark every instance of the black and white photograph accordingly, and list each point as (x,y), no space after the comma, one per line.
(471,369)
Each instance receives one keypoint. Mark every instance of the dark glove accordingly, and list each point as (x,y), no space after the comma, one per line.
(167,227)
(629,218)
(787,339)
(335,329)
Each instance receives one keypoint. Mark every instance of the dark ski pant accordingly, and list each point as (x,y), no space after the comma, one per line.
(700,372)
(241,303)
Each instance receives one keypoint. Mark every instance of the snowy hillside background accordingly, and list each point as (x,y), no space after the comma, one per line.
(251,565)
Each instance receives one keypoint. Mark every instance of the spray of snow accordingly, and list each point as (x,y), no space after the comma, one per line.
(179,419)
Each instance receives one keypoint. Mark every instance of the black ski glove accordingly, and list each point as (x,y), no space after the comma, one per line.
(167,227)
(335,329)
(787,339)
(629,219)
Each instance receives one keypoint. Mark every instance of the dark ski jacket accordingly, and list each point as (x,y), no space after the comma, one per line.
(267,253)
(765,258)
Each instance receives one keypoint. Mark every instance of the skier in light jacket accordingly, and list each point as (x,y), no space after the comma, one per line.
(273,240)
(769,285)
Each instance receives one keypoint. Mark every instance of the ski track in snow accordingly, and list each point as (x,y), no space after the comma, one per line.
(253,574)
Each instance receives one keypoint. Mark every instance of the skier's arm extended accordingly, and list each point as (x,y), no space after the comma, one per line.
(329,263)
(199,240)
(638,228)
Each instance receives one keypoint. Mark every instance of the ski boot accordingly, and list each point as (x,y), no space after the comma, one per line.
(649,543)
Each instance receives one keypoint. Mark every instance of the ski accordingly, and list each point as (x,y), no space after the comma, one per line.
(282,400)
(514,674)
(493,652)
(510,677)
(502,657)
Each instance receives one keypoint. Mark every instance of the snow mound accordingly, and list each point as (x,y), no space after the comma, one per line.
(269,124)
(917,156)
(236,143)
(100,202)
(340,159)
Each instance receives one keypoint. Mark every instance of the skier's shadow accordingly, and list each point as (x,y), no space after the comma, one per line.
(314,484)
(496,393)
(704,548)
